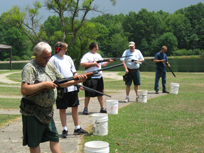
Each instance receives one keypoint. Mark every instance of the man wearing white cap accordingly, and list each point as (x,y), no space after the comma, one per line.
(132,65)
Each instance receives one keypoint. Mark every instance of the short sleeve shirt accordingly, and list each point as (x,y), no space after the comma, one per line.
(33,73)
(65,66)
(90,58)
(160,56)
(136,55)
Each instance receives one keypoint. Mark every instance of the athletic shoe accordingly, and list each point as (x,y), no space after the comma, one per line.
(137,98)
(85,112)
(157,92)
(80,132)
(126,100)
(64,134)
(165,91)
(103,110)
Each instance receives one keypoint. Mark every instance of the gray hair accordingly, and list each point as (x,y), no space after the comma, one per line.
(40,47)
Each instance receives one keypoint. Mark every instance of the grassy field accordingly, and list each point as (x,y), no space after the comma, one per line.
(171,123)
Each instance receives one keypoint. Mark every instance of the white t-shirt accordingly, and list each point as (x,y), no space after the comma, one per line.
(65,66)
(136,55)
(90,58)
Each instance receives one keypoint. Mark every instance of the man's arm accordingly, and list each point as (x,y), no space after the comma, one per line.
(81,77)
(28,89)
(108,62)
(157,61)
(124,65)
(88,64)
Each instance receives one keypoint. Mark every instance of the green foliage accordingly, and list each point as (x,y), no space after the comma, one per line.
(167,39)
(180,26)
(119,44)
(183,52)
(14,58)
(150,30)
(164,124)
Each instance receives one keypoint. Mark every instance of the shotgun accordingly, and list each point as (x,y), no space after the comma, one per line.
(168,67)
(105,60)
(114,59)
(88,74)
(91,90)
(144,63)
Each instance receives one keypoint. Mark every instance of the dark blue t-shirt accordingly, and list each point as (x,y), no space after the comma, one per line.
(160,56)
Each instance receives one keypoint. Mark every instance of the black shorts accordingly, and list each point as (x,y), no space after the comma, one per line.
(96,84)
(70,99)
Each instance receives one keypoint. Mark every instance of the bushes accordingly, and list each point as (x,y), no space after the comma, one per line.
(183,52)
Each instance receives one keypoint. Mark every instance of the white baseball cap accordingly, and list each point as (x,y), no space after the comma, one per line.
(131,44)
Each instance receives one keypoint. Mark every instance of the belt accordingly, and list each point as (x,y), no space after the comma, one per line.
(133,70)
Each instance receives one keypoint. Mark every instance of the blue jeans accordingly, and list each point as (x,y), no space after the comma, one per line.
(160,73)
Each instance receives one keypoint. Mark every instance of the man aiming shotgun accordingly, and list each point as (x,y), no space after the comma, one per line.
(89,62)
(114,59)
(111,59)
(37,110)
(76,77)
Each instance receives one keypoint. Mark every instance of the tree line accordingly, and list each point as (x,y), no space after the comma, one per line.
(182,32)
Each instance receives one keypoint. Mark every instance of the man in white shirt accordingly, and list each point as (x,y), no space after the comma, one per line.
(132,65)
(89,61)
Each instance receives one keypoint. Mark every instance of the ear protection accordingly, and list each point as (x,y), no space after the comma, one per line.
(58,47)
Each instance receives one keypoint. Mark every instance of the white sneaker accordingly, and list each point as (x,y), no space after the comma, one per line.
(137,97)
(126,100)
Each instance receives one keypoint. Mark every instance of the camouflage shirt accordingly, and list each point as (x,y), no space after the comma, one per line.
(33,73)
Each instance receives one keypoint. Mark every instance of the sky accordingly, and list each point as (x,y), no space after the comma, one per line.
(122,6)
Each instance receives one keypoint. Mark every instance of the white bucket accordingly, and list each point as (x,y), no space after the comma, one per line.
(100,124)
(112,106)
(96,146)
(142,96)
(174,88)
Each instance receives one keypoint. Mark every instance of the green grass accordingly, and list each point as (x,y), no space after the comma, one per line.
(6,103)
(5,119)
(170,123)
(15,77)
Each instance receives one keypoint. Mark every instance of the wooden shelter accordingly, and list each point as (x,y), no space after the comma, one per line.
(7,48)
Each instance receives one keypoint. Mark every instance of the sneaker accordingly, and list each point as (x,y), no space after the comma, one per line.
(126,100)
(103,110)
(157,92)
(80,132)
(137,98)
(85,112)
(64,134)
(165,91)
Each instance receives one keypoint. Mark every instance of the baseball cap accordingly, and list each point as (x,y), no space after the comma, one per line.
(132,43)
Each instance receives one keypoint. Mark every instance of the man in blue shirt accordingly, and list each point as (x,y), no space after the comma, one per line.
(161,61)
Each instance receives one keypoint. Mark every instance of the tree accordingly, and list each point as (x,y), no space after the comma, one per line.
(144,26)
(73,8)
(86,35)
(167,39)
(26,21)
(200,33)
(180,26)
(119,44)
(10,35)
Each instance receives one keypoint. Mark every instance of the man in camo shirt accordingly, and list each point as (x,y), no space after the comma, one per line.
(37,109)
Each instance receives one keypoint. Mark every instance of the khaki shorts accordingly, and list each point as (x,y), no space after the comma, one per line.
(34,132)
